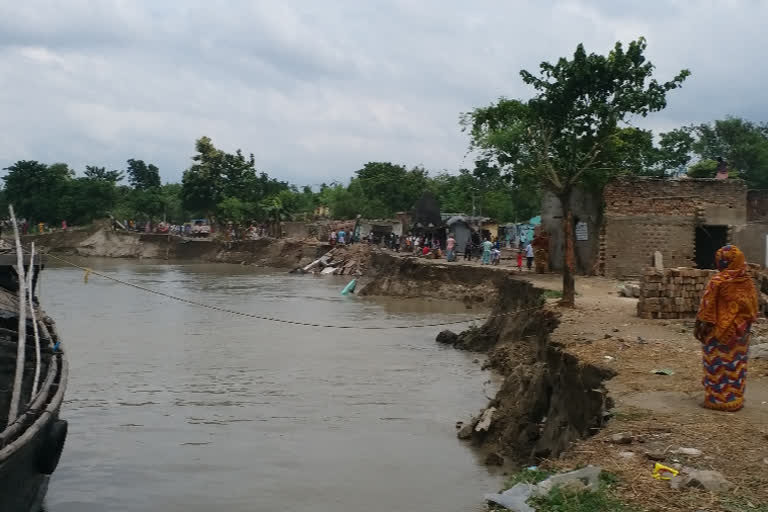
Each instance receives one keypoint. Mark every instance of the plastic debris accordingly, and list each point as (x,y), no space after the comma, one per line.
(350,288)
(663,371)
(662,472)
(514,498)
(587,478)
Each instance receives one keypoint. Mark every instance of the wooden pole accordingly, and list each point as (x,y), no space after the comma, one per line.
(22,334)
(30,296)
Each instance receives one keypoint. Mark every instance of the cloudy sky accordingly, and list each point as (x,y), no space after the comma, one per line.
(316,89)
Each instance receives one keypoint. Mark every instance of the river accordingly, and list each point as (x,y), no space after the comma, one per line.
(176,408)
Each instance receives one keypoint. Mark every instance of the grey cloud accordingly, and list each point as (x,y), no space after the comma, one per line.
(316,89)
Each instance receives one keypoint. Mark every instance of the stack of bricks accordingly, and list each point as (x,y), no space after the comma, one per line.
(671,292)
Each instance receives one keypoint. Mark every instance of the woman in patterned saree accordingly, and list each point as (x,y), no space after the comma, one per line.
(728,308)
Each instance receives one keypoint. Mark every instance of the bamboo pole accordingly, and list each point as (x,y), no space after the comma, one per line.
(22,334)
(30,296)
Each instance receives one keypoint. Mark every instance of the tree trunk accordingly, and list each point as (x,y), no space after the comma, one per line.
(569,286)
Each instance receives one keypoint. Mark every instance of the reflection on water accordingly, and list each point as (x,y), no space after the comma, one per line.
(177,408)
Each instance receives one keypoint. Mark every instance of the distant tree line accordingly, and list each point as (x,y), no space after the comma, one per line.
(228,187)
(574,131)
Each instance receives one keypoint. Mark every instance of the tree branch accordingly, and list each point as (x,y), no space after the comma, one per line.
(544,158)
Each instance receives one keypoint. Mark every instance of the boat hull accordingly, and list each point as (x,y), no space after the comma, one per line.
(22,483)
(27,462)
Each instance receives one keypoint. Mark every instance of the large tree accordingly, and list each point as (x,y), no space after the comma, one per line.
(486,190)
(392,187)
(560,135)
(217,176)
(142,176)
(102,174)
(742,144)
(36,189)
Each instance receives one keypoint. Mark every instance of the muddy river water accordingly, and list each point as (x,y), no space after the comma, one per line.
(176,408)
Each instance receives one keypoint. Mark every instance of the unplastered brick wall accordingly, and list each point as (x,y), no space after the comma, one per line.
(672,292)
(643,216)
(630,242)
(672,197)
(676,292)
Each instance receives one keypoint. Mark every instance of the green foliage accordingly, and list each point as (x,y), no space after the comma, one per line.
(35,189)
(234,210)
(570,132)
(573,131)
(102,174)
(142,176)
(600,500)
(675,150)
(739,504)
(216,177)
(528,476)
(85,199)
(703,169)
(486,191)
(552,294)
(393,186)
(742,144)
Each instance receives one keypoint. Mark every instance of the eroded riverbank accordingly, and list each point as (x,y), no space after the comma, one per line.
(548,398)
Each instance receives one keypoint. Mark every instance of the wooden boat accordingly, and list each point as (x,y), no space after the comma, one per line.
(31,444)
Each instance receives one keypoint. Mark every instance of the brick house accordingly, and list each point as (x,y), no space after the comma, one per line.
(686,220)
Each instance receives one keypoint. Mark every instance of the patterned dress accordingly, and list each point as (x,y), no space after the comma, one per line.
(728,308)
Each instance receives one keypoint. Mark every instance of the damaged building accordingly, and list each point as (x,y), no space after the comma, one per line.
(686,220)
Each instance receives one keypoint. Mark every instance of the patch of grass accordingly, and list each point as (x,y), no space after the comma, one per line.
(599,500)
(608,479)
(741,505)
(528,476)
(552,294)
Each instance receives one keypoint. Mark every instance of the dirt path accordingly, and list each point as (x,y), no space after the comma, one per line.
(662,412)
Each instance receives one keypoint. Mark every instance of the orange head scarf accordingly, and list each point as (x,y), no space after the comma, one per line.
(730,300)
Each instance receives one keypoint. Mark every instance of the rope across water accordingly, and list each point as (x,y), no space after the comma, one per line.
(89,271)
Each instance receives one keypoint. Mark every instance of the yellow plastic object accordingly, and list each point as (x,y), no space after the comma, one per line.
(662,472)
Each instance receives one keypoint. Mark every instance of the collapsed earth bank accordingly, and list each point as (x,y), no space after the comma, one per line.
(106,243)
(548,398)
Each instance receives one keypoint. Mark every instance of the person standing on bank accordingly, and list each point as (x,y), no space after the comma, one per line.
(529,255)
(727,310)
(486,252)
(450,246)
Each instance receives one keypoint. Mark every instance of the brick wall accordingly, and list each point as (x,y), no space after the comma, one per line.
(673,197)
(757,205)
(643,216)
(676,292)
(672,292)
(630,243)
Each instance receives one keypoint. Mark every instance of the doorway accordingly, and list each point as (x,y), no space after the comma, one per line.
(708,240)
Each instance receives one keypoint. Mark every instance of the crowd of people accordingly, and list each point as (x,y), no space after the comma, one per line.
(534,254)
(31,228)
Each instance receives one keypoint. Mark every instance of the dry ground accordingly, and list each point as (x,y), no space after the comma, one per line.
(662,412)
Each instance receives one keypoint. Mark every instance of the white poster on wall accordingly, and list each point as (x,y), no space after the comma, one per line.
(582,232)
